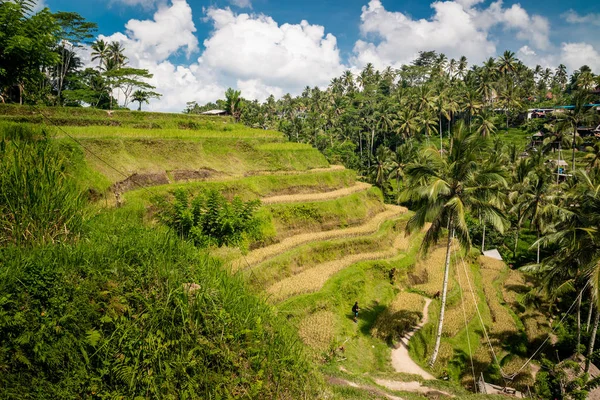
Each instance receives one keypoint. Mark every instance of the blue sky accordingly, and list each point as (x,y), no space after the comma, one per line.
(196,49)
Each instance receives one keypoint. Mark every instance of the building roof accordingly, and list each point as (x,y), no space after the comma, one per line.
(214,112)
(560,162)
(494,253)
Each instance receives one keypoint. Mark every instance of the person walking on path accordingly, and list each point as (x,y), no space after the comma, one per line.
(355,311)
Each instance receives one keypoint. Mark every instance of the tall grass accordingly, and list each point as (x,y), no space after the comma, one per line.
(39,202)
(135,312)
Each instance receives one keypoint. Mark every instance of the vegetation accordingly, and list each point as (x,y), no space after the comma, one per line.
(210,220)
(102,301)
(39,63)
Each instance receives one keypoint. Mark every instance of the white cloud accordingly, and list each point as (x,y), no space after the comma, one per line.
(573,17)
(256,89)
(574,55)
(255,47)
(456,28)
(241,3)
(39,5)
(148,44)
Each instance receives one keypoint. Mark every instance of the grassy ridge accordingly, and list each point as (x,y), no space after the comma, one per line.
(123,309)
(132,311)
(228,156)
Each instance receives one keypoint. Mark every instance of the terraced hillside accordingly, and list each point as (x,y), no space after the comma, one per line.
(328,240)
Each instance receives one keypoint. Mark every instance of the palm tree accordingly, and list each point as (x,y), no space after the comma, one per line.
(381,168)
(404,155)
(141,97)
(115,53)
(444,189)
(232,103)
(577,239)
(100,52)
(486,125)
(571,119)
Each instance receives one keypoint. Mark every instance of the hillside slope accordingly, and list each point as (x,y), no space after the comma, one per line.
(326,241)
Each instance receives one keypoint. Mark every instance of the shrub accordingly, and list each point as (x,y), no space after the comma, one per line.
(211,220)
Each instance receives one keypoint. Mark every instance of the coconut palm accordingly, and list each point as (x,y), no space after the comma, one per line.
(141,97)
(577,239)
(100,52)
(444,189)
(115,53)
(232,103)
(485,124)
(381,167)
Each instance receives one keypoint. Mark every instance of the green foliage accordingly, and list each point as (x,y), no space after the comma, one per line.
(135,312)
(210,219)
(39,201)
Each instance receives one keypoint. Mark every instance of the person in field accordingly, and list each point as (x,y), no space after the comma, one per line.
(355,309)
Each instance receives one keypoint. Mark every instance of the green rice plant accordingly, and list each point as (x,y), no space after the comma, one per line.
(39,201)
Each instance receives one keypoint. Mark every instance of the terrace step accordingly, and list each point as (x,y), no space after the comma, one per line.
(259,255)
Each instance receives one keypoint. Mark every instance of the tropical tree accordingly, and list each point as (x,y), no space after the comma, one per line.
(142,96)
(233,101)
(444,190)
(577,239)
(100,52)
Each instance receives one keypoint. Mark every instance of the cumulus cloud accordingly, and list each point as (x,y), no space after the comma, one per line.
(241,3)
(255,47)
(574,55)
(573,17)
(149,44)
(456,28)
(250,52)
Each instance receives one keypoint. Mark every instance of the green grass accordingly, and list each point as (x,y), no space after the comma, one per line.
(81,116)
(233,131)
(225,156)
(294,218)
(253,187)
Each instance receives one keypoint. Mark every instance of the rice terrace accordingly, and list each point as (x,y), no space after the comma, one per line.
(425,230)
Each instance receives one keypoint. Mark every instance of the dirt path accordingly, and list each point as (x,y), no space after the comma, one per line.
(313,279)
(370,389)
(413,386)
(259,255)
(401,361)
(321,196)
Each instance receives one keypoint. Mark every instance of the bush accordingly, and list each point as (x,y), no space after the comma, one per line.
(210,220)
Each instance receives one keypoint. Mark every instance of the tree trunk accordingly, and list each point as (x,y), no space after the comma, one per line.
(483,240)
(441,137)
(558,166)
(20,93)
(517,238)
(440,327)
(372,144)
(140,107)
(589,317)
(592,340)
(573,148)
(537,260)
(578,322)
